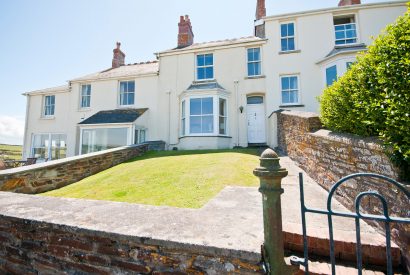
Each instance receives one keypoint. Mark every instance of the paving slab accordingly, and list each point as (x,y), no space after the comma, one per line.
(232,220)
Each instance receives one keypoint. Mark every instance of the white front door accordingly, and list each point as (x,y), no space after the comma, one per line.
(256,120)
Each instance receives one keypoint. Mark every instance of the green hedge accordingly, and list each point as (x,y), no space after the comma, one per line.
(373,97)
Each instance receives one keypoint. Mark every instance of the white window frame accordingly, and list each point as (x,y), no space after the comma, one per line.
(215,102)
(183,117)
(138,130)
(298,90)
(119,92)
(254,62)
(49,150)
(204,66)
(82,96)
(341,67)
(356,22)
(287,37)
(45,106)
(130,130)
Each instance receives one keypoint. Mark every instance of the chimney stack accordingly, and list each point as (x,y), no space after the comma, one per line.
(185,34)
(118,57)
(260,9)
(349,2)
(260,24)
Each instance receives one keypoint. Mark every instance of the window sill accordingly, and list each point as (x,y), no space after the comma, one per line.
(213,136)
(289,52)
(210,80)
(291,106)
(47,117)
(126,106)
(254,77)
(84,109)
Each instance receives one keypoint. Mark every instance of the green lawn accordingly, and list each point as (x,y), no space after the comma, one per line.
(186,179)
(10,151)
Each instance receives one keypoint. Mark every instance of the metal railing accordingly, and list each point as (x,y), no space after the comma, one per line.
(357,215)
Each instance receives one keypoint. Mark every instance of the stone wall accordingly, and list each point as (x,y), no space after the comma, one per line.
(55,174)
(327,157)
(33,247)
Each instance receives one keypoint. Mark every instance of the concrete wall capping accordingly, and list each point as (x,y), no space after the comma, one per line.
(55,174)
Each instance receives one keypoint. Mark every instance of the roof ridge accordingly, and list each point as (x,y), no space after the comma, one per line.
(142,63)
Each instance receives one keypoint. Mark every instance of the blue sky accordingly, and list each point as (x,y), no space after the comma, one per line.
(44,43)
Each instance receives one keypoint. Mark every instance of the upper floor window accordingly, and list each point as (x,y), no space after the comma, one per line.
(254,62)
(85,96)
(287,34)
(205,66)
(331,75)
(290,89)
(49,105)
(345,30)
(127,93)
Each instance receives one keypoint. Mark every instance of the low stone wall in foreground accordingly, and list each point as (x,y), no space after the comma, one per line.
(42,177)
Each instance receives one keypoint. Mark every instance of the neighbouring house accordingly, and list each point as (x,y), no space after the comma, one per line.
(218,94)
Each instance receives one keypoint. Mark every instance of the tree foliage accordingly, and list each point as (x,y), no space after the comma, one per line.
(373,97)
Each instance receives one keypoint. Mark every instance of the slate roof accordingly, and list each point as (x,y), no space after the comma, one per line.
(136,69)
(61,88)
(342,49)
(204,86)
(218,43)
(115,116)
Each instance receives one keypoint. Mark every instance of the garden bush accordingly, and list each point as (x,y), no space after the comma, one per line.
(373,97)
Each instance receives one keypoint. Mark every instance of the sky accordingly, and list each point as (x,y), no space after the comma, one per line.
(45,43)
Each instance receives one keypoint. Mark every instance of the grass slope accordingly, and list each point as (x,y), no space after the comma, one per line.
(185,179)
(10,151)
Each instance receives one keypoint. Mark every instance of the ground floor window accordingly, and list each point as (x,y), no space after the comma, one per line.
(98,139)
(139,136)
(49,146)
(205,115)
(290,89)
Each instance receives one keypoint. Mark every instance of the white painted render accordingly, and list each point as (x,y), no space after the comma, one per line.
(162,86)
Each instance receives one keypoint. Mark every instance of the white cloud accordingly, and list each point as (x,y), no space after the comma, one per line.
(11,130)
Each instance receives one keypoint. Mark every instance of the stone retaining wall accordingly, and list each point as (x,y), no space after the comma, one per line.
(328,157)
(55,174)
(34,247)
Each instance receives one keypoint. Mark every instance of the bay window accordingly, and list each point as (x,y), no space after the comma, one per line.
(201,116)
(204,116)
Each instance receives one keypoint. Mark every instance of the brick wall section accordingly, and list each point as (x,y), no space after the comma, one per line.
(328,156)
(51,175)
(33,247)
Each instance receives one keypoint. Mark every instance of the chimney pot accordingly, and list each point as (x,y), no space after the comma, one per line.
(260,9)
(349,2)
(185,33)
(118,57)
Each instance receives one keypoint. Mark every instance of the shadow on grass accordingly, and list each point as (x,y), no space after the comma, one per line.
(159,154)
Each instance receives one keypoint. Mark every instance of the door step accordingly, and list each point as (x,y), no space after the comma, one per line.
(323,267)
(257,145)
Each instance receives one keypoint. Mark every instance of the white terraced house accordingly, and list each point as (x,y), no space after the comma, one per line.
(218,94)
